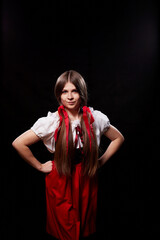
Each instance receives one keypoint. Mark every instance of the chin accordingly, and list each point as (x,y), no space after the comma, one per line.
(72,107)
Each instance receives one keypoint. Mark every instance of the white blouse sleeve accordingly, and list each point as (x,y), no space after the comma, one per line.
(101,123)
(45,128)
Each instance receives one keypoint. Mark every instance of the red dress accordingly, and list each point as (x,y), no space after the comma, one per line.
(71,204)
(71,201)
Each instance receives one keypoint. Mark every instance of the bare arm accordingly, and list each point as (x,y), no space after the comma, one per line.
(116,141)
(22,143)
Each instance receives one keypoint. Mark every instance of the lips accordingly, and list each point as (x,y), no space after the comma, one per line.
(70,103)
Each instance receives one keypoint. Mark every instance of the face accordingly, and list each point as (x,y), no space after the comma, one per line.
(70,97)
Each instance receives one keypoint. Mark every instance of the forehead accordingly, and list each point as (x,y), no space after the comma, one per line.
(69,85)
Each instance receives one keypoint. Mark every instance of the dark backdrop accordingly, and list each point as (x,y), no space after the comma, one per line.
(114,45)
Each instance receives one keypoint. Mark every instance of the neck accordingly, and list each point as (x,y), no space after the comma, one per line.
(73,114)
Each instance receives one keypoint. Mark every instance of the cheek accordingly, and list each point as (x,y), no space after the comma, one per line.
(77,97)
(62,98)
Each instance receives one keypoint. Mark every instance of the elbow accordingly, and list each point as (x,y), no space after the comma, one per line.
(15,144)
(122,139)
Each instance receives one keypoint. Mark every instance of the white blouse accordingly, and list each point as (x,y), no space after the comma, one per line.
(45,127)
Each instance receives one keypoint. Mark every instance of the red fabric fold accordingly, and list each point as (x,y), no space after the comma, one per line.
(71,204)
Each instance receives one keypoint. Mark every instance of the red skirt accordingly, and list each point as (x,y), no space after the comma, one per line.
(71,204)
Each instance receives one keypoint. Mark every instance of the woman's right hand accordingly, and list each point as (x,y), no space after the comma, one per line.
(46,167)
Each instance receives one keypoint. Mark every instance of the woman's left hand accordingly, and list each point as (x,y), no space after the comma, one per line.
(46,167)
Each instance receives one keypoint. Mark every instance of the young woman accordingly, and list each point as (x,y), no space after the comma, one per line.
(73,134)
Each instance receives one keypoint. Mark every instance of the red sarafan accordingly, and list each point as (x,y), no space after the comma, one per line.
(71,204)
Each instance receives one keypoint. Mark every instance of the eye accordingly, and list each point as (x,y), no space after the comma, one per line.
(64,91)
(75,90)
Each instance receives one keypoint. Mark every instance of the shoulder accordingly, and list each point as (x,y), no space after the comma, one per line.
(46,125)
(101,120)
(54,116)
(50,117)
(98,114)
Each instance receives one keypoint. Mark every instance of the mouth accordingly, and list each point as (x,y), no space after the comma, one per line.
(71,103)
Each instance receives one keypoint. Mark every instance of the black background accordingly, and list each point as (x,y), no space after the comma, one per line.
(114,45)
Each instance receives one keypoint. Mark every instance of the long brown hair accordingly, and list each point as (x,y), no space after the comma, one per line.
(62,158)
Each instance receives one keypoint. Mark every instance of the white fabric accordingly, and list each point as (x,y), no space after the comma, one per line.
(45,127)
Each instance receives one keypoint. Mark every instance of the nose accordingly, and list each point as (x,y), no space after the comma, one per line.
(70,96)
